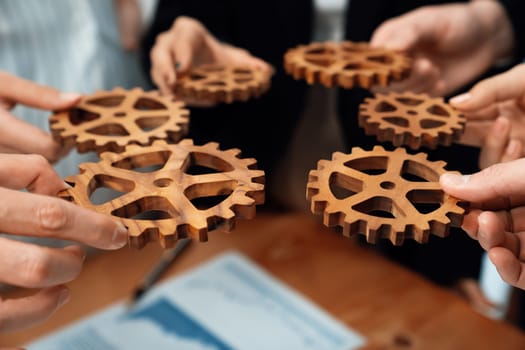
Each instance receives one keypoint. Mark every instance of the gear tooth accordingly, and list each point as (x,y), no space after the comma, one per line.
(440,165)
(213,145)
(235,152)
(105,156)
(378,149)
(134,147)
(117,89)
(375,227)
(335,156)
(175,127)
(372,120)
(186,143)
(356,151)
(296,65)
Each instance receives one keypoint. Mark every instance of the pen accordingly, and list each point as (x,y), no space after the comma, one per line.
(166,260)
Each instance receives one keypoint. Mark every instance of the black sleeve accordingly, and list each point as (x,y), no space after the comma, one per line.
(515,12)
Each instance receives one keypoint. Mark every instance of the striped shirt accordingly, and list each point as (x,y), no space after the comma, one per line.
(72,45)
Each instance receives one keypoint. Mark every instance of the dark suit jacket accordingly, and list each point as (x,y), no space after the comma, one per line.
(262,127)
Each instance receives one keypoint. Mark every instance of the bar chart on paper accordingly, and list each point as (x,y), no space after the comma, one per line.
(226,304)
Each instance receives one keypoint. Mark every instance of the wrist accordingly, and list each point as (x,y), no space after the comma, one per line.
(497,28)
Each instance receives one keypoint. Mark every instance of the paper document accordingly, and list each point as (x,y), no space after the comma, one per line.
(228,303)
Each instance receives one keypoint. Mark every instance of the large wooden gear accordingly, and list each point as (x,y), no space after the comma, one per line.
(346,64)
(383,194)
(110,120)
(170,191)
(410,119)
(217,83)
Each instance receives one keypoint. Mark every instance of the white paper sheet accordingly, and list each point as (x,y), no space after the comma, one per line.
(226,304)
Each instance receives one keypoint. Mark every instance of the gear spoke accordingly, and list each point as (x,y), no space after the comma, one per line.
(420,120)
(166,190)
(222,83)
(388,205)
(115,126)
(346,63)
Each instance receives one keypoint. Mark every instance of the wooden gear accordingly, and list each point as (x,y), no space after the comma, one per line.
(346,64)
(110,120)
(383,194)
(222,83)
(169,189)
(411,119)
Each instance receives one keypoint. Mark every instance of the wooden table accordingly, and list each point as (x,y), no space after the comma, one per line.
(392,307)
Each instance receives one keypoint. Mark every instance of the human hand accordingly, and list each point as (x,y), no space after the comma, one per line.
(451,44)
(497,215)
(188,43)
(496,105)
(17,136)
(36,213)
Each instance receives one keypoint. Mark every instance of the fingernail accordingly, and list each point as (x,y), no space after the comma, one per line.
(63,297)
(69,96)
(460,98)
(120,236)
(454,179)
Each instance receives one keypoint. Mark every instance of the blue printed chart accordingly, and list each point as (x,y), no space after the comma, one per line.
(226,304)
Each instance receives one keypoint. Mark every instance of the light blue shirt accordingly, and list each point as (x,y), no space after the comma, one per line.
(72,45)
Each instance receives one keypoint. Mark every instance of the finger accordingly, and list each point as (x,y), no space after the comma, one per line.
(513,151)
(488,113)
(38,266)
(242,57)
(397,34)
(422,79)
(406,32)
(17,314)
(492,188)
(36,215)
(31,172)
(31,94)
(509,267)
(183,48)
(506,86)
(493,231)
(163,64)
(470,223)
(26,138)
(495,143)
(475,133)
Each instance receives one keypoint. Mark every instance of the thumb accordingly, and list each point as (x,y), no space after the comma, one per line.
(499,186)
(18,90)
(406,32)
(394,35)
(502,87)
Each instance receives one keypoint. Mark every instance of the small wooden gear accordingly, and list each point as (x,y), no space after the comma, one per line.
(411,119)
(110,120)
(346,64)
(222,83)
(171,191)
(383,194)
